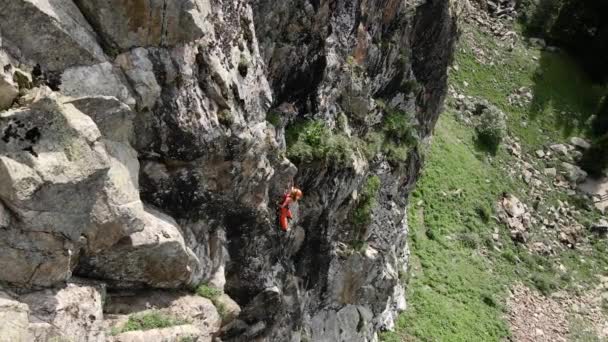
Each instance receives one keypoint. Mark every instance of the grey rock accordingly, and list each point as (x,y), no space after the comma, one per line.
(229,308)
(580,143)
(8,91)
(540,153)
(51,33)
(66,189)
(550,171)
(113,118)
(124,25)
(560,149)
(96,80)
(600,226)
(73,311)
(155,256)
(574,173)
(15,319)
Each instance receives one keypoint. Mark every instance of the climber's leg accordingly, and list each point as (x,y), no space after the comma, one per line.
(284,219)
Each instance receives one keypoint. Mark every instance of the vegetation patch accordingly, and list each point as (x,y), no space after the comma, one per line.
(148,320)
(312,140)
(362,214)
(462,261)
(208,292)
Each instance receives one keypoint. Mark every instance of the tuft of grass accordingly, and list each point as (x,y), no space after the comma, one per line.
(274,118)
(312,140)
(208,292)
(147,321)
(225,117)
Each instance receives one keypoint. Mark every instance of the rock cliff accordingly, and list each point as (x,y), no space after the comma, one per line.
(144,144)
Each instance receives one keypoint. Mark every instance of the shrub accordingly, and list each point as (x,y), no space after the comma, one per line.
(274,118)
(469,240)
(313,141)
(491,128)
(544,283)
(147,321)
(243,66)
(225,117)
(208,292)
(366,203)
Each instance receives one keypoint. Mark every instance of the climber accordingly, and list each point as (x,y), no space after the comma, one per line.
(293,195)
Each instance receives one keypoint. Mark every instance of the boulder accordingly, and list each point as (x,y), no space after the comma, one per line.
(559,149)
(229,309)
(580,143)
(14,316)
(513,206)
(68,192)
(8,91)
(127,24)
(140,72)
(96,80)
(113,118)
(550,171)
(540,153)
(156,256)
(53,34)
(574,173)
(73,311)
(600,227)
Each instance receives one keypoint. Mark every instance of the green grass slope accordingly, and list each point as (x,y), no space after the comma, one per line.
(459,274)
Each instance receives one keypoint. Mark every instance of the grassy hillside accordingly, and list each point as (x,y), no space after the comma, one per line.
(463,260)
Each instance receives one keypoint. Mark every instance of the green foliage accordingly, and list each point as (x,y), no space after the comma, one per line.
(243,66)
(148,320)
(208,292)
(395,137)
(491,128)
(274,118)
(582,331)
(544,283)
(313,141)
(225,117)
(366,202)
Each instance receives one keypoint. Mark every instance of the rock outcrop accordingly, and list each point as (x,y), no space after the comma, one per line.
(144,145)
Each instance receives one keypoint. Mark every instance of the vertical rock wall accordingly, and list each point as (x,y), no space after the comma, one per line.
(135,150)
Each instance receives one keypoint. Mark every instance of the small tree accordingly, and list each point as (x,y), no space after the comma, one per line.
(491,128)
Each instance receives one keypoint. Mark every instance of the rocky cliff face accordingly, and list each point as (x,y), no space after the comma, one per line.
(143,145)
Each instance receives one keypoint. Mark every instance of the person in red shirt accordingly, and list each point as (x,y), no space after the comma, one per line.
(293,195)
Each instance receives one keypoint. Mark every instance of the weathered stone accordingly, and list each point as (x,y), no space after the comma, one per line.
(56,176)
(580,143)
(51,33)
(540,153)
(73,311)
(550,171)
(559,149)
(14,316)
(155,256)
(574,173)
(124,25)
(96,80)
(600,226)
(228,308)
(113,118)
(513,206)
(8,91)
